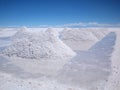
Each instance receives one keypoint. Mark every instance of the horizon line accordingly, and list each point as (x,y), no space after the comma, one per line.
(69,25)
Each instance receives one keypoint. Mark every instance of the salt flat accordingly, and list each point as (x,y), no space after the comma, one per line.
(93,67)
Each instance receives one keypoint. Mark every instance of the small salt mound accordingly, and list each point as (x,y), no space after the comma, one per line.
(99,32)
(36,45)
(78,39)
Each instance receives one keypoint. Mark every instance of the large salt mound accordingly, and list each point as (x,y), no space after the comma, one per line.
(36,45)
(78,39)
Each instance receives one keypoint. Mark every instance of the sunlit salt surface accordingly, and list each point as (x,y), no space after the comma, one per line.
(94,66)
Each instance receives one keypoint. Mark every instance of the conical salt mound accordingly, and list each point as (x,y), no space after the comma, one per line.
(40,44)
(78,39)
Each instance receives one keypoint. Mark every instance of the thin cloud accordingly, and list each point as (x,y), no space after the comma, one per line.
(91,24)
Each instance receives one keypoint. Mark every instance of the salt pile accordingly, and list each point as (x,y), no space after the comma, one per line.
(78,39)
(99,32)
(35,45)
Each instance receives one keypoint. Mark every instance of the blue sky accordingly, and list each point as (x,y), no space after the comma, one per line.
(58,12)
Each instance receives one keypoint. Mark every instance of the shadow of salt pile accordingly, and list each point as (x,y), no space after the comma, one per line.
(90,69)
(6,66)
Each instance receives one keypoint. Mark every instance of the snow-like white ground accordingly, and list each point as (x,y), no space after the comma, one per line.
(95,66)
